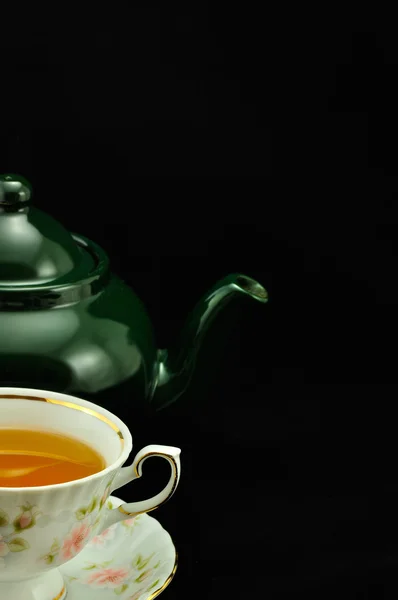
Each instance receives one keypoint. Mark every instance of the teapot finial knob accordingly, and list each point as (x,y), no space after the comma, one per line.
(15,192)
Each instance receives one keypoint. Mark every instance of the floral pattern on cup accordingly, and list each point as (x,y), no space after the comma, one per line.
(77,537)
(81,532)
(75,541)
(10,539)
(86,520)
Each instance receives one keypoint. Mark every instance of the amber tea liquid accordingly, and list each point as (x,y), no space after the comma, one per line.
(33,458)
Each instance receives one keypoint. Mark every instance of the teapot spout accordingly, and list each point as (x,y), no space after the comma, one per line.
(176,366)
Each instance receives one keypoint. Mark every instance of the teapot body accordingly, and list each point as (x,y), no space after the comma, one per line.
(91,348)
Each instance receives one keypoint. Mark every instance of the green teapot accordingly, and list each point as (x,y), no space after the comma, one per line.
(68,324)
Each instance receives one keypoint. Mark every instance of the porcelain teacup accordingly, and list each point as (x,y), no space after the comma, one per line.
(45,526)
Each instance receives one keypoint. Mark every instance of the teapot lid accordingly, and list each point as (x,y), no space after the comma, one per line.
(35,249)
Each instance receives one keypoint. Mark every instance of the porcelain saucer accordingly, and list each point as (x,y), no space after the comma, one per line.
(132,560)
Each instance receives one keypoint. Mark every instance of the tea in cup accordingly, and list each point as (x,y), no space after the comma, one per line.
(60,459)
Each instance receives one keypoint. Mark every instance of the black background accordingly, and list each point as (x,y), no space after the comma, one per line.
(191,144)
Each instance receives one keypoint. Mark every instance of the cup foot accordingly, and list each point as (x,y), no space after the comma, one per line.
(47,586)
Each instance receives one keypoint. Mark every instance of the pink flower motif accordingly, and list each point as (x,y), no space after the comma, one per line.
(4,550)
(129,522)
(75,541)
(109,578)
(136,595)
(102,538)
(25,520)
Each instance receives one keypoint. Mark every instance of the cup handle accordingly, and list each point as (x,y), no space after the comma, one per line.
(134,471)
